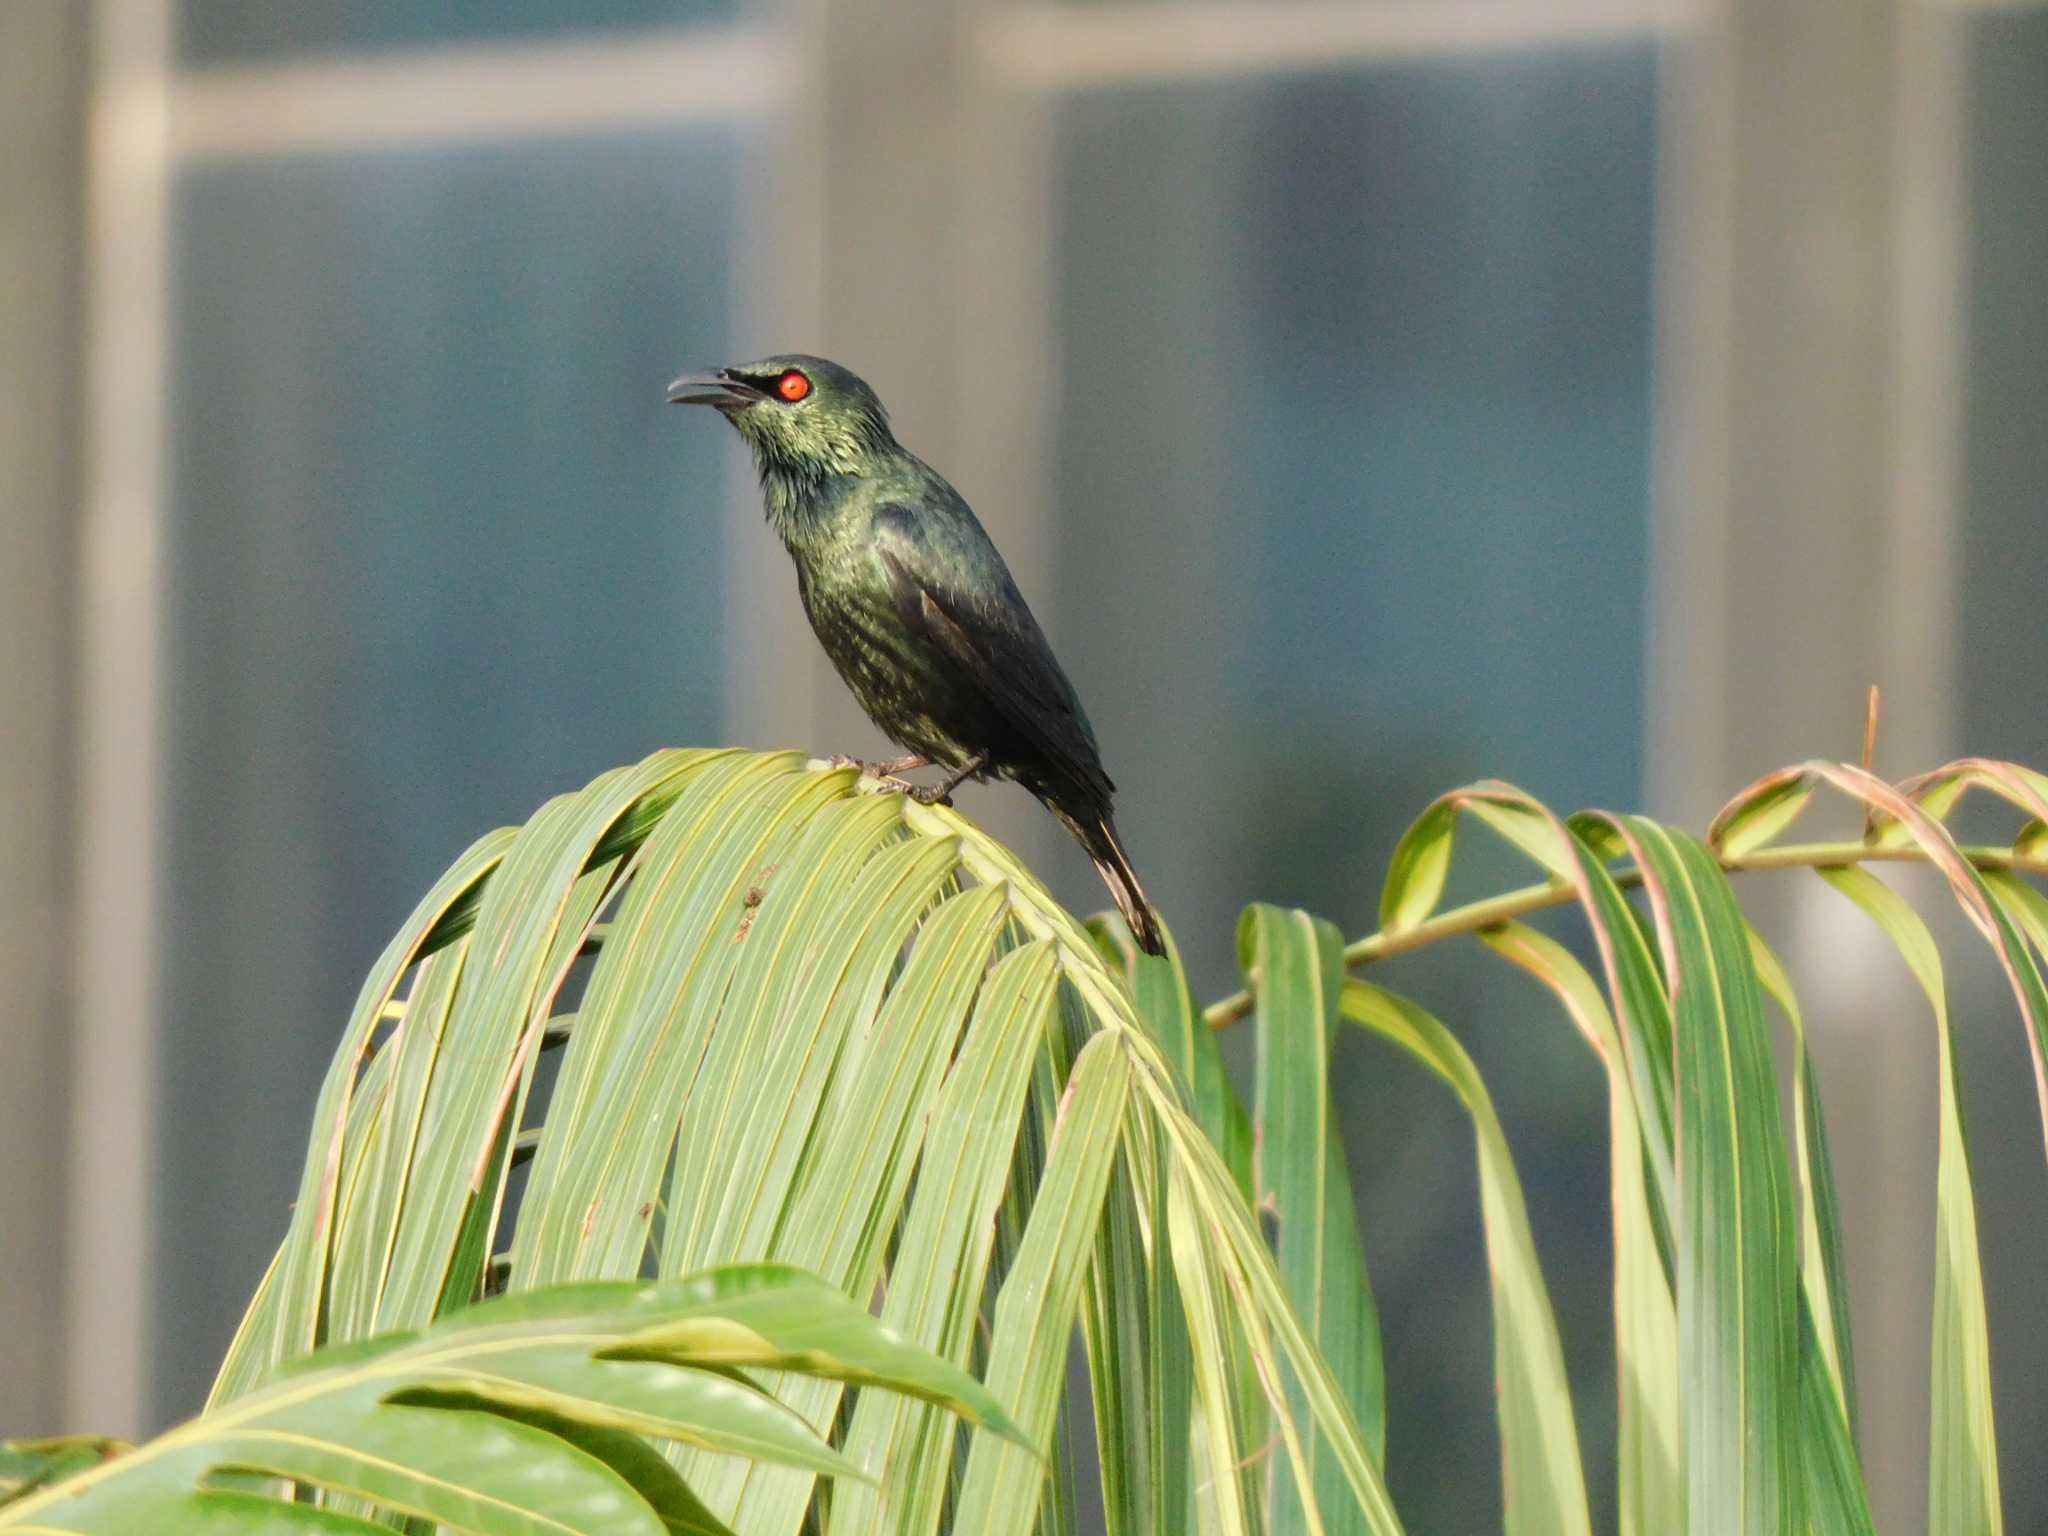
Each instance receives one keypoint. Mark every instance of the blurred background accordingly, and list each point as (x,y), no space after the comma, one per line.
(1597,394)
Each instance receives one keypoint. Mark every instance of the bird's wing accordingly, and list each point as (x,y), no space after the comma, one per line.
(964,603)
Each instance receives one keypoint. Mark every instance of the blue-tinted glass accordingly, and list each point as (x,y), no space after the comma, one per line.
(1354,462)
(438,549)
(247,31)
(2005,549)
(2002,655)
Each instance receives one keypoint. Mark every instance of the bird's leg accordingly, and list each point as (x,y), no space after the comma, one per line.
(889,772)
(941,793)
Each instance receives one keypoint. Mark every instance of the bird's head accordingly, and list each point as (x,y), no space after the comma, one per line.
(804,417)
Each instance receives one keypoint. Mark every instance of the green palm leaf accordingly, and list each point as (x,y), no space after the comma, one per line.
(1543,1484)
(517,1417)
(778,1111)
(804,1024)
(1302,1178)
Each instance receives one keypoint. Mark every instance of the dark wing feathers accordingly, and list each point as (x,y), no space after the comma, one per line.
(997,644)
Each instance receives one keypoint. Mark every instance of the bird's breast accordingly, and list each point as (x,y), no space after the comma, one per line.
(889,669)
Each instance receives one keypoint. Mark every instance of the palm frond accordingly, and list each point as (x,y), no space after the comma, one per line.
(523,1416)
(806,1026)
(729,1008)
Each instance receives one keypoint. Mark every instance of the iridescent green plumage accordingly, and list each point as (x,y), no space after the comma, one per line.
(912,602)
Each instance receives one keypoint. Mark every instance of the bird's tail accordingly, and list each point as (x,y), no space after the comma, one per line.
(1099,838)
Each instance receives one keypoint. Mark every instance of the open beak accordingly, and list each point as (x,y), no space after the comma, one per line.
(713,386)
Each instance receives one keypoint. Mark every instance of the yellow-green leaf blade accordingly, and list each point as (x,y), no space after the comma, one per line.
(1542,1479)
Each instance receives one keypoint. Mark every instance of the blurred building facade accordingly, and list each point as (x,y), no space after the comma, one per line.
(1371,397)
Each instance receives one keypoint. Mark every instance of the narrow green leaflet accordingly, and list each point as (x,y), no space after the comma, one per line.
(774,1317)
(711,1411)
(1419,867)
(287,1317)
(652,998)
(1963,1493)
(837,987)
(2022,906)
(1028,1353)
(1650,1485)
(527,930)
(651,1476)
(776,1014)
(1837,1503)
(1917,823)
(1139,1349)
(1760,813)
(1531,826)
(1138,1361)
(1542,1480)
(1220,1444)
(1298,965)
(1576,853)
(851,1188)
(2025,906)
(26,1465)
(643,1468)
(1212,1217)
(1738,1312)
(1822,1268)
(1167,1009)
(1169,1362)
(1831,1471)
(948,1234)
(1640,996)
(502,1420)
(366,1228)
(1164,1372)
(225,1512)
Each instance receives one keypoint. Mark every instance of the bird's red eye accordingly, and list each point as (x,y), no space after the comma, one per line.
(792,386)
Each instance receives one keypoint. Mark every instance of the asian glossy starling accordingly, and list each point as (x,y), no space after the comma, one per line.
(914,605)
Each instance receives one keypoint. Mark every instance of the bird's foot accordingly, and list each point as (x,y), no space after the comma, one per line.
(890,776)
(889,772)
(941,793)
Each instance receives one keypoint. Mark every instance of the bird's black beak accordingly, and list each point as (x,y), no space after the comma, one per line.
(713,386)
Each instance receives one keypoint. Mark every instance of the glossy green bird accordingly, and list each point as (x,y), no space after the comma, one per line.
(914,605)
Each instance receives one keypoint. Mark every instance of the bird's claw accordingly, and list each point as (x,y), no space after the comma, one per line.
(877,774)
(888,777)
(888,772)
(881,773)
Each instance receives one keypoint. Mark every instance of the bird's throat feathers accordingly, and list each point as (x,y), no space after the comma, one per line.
(807,462)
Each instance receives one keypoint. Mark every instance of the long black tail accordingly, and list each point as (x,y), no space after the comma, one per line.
(1099,838)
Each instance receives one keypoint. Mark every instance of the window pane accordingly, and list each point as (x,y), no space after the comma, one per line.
(437,550)
(1355,452)
(2005,546)
(251,31)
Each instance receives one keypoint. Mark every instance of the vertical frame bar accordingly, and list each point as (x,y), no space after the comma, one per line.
(113,1128)
(42,217)
(1809,358)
